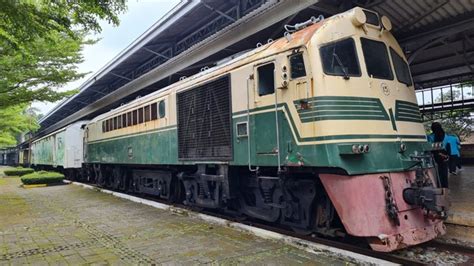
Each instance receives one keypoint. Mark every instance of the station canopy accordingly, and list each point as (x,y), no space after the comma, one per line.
(436,35)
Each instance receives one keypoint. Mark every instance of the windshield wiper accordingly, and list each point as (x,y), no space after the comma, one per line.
(339,62)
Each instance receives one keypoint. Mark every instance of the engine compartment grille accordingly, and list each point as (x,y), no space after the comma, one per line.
(204,121)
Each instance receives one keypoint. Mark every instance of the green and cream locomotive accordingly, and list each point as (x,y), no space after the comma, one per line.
(319,131)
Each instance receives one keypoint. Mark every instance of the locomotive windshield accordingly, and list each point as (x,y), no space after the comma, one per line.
(401,68)
(376,59)
(340,58)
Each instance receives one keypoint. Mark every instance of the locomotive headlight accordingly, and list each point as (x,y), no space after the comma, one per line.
(361,149)
(355,149)
(358,17)
(386,23)
(366,148)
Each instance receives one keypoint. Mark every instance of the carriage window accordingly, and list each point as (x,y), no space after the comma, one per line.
(103,126)
(162,110)
(115,126)
(297,66)
(135,117)
(401,68)
(154,111)
(140,115)
(147,113)
(340,58)
(119,123)
(129,119)
(376,59)
(124,120)
(266,79)
(110,124)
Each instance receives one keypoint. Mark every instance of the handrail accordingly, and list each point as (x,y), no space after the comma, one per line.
(248,128)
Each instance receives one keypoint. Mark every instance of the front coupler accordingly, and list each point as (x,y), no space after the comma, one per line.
(429,198)
(422,193)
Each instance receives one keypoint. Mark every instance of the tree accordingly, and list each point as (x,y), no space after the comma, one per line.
(41,43)
(15,120)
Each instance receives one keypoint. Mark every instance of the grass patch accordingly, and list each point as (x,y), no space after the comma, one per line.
(42,177)
(19,171)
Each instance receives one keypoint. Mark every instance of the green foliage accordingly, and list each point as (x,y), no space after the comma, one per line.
(41,43)
(42,177)
(14,120)
(19,171)
(49,64)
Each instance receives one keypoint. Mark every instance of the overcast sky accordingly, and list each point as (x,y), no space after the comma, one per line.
(140,16)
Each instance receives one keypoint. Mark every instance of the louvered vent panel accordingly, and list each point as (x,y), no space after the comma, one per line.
(204,122)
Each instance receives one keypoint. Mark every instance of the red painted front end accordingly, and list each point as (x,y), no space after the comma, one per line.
(360,202)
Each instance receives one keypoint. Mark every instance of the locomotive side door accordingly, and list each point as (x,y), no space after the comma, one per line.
(264,126)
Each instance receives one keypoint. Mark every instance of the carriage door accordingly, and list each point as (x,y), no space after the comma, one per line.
(264,127)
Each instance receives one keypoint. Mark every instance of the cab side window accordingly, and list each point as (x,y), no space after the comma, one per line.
(162,110)
(297,66)
(266,79)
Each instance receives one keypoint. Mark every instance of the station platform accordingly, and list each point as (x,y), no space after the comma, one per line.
(460,222)
(69,224)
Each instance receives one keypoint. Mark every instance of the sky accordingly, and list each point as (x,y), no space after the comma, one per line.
(141,15)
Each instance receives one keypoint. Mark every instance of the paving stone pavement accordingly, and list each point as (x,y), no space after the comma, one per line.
(70,225)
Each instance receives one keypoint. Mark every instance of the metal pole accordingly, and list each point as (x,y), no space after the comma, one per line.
(276,125)
(452,98)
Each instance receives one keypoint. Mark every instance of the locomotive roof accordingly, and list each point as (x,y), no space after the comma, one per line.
(298,39)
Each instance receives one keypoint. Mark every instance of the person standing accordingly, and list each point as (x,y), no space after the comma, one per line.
(454,153)
(458,139)
(441,156)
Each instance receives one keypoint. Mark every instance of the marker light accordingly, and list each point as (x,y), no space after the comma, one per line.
(386,23)
(403,147)
(358,17)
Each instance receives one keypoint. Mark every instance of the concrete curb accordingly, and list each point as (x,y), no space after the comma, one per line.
(266,234)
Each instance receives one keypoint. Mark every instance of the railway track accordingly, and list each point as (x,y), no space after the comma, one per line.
(401,257)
